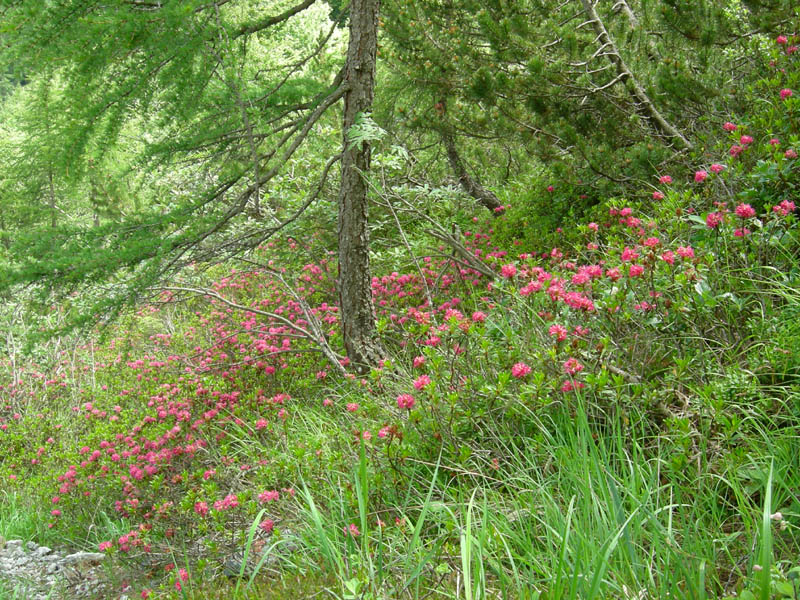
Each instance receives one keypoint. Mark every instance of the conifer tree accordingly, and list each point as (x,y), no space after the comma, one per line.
(231,89)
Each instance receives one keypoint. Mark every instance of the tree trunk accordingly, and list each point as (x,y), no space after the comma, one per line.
(355,290)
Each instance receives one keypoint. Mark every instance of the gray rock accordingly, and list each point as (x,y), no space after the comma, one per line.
(91,558)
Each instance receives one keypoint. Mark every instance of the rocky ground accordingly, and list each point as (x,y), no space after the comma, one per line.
(32,572)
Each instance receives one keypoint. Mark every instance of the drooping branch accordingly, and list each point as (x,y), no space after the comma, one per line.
(471,186)
(644,106)
(315,335)
(262,24)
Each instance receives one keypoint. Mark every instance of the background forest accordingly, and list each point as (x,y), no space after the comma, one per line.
(411,299)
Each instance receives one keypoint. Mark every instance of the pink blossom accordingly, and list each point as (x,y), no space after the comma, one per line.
(713,220)
(666,179)
(717,168)
(652,242)
(745,140)
(267,525)
(593,226)
(784,208)
(419,361)
(781,40)
(736,150)
(352,407)
(774,142)
(785,93)
(572,366)
(201,508)
(422,381)
(668,257)
(352,530)
(700,176)
(613,274)
(628,254)
(406,401)
(685,251)
(791,153)
(745,211)
(268,496)
(103,546)
(508,270)
(261,423)
(658,195)
(744,231)
(729,126)
(478,316)
(559,332)
(636,270)
(520,370)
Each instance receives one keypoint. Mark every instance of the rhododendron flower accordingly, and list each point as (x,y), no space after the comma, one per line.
(479,316)
(774,142)
(352,530)
(785,93)
(261,424)
(520,370)
(729,126)
(784,208)
(685,251)
(568,385)
(700,176)
(383,432)
(613,274)
(352,407)
(652,242)
(268,496)
(636,270)
(559,332)
(550,188)
(419,361)
(745,211)
(713,220)
(666,179)
(745,140)
(267,525)
(781,40)
(658,195)
(593,226)
(668,257)
(55,512)
(201,508)
(508,270)
(717,168)
(103,546)
(736,150)
(790,153)
(422,381)
(406,401)
(572,366)
(327,402)
(744,231)
(628,255)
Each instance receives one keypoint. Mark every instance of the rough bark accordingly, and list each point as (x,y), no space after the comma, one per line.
(472,187)
(644,106)
(355,290)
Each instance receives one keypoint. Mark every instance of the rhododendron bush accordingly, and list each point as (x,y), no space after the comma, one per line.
(665,323)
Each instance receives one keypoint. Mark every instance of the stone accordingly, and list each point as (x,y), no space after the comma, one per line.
(91,558)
